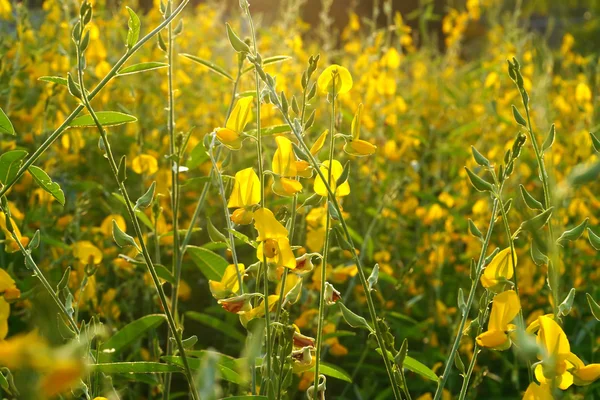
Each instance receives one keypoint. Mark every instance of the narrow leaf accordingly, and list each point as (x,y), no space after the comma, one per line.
(141,67)
(573,234)
(210,264)
(594,239)
(106,118)
(134,28)
(121,238)
(5,124)
(213,67)
(594,307)
(129,334)
(529,200)
(549,139)
(10,162)
(355,321)
(45,182)
(146,199)
(134,367)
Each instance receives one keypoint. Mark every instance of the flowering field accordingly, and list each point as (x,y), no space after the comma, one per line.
(197,203)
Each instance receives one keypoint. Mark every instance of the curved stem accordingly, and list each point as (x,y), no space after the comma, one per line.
(461,325)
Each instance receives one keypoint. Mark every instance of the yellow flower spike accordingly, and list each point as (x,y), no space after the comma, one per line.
(86,252)
(284,159)
(267,225)
(499,270)
(318,145)
(335,74)
(336,172)
(556,350)
(144,164)
(505,308)
(538,392)
(246,189)
(277,251)
(229,283)
(231,135)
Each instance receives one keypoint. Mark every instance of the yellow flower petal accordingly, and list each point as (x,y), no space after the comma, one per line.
(335,74)
(538,392)
(267,225)
(284,159)
(240,115)
(318,145)
(499,269)
(86,252)
(246,189)
(505,308)
(336,172)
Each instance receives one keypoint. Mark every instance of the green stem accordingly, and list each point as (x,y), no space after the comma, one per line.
(461,325)
(109,76)
(176,332)
(321,320)
(361,271)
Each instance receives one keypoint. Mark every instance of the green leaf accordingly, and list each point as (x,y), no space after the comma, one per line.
(134,28)
(565,307)
(213,233)
(538,221)
(121,238)
(247,397)
(73,87)
(213,67)
(134,367)
(594,239)
(474,230)
(146,199)
(210,264)
(217,324)
(479,183)
(479,158)
(549,139)
(198,155)
(106,118)
(129,334)
(10,162)
(5,124)
(529,200)
(238,44)
(595,142)
(419,368)
(518,117)
(141,67)
(164,273)
(352,319)
(372,281)
(594,307)
(225,368)
(573,234)
(139,213)
(271,130)
(267,61)
(333,371)
(45,182)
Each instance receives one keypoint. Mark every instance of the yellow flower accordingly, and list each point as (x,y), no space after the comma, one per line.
(258,311)
(144,164)
(246,189)
(86,252)
(356,146)
(505,308)
(285,165)
(267,225)
(335,173)
(231,135)
(318,145)
(229,282)
(538,392)
(277,251)
(499,270)
(335,75)
(556,364)
(583,374)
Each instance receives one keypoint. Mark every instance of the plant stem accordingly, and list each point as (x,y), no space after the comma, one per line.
(461,325)
(176,332)
(321,320)
(361,272)
(109,76)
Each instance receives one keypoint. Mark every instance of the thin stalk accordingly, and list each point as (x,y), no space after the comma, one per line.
(109,76)
(461,325)
(321,320)
(40,276)
(221,188)
(262,194)
(361,271)
(173,150)
(176,332)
